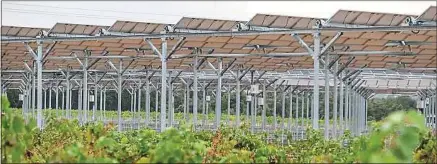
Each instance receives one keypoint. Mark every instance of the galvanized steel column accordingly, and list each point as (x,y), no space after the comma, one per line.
(316,100)
(334,129)
(326,126)
(229,106)
(346,106)
(139,106)
(95,100)
(195,91)
(290,113)
(34,77)
(238,101)
(104,103)
(264,108)
(296,122)
(119,88)
(85,101)
(45,99)
(39,83)
(147,106)
(156,108)
(301,114)
(341,127)
(101,104)
(275,122)
(204,105)
(50,97)
(283,110)
(163,84)
(68,96)
(308,120)
(218,98)
(185,102)
(57,101)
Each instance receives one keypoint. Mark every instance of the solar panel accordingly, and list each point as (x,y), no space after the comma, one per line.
(367,18)
(76,29)
(205,24)
(278,21)
(20,31)
(136,27)
(429,15)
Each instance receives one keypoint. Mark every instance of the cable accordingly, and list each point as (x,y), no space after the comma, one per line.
(173,15)
(63,14)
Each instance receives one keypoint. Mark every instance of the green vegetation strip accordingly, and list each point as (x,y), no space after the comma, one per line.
(401,137)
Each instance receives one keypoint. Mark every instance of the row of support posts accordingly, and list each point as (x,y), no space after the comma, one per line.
(349,110)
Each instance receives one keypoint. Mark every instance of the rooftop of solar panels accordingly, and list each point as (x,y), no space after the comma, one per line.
(383,46)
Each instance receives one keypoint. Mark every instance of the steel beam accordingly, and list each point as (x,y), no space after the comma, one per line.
(230,33)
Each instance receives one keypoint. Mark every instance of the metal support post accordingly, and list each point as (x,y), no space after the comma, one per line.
(45,100)
(346,106)
(248,99)
(365,114)
(264,103)
(290,113)
(218,97)
(229,107)
(104,103)
(296,114)
(163,84)
(185,101)
(63,99)
(39,83)
(302,128)
(50,97)
(188,101)
(68,96)
(95,100)
(238,101)
(138,115)
(204,106)
(34,77)
(57,101)
(79,104)
(156,108)
(134,109)
(85,101)
(101,104)
(341,127)
(283,110)
(119,90)
(315,56)
(308,110)
(334,108)
(195,91)
(275,122)
(170,102)
(326,127)
(147,106)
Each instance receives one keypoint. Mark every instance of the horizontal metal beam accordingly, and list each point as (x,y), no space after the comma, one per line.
(227,33)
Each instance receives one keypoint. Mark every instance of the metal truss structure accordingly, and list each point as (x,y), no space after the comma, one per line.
(351,56)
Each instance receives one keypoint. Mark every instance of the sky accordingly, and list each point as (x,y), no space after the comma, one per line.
(45,14)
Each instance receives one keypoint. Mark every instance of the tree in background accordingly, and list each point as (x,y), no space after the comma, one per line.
(379,108)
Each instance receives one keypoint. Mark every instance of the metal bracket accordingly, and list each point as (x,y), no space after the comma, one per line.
(155,50)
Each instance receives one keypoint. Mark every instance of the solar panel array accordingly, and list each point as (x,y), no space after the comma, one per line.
(13,54)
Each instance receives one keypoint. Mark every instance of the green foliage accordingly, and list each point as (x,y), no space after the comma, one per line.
(401,137)
(379,108)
